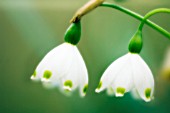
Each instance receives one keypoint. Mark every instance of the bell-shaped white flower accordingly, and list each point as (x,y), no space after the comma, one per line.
(129,72)
(64,67)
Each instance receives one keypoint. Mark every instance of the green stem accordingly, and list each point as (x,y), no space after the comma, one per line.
(139,17)
(149,14)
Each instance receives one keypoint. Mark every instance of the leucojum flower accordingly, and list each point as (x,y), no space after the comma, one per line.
(64,66)
(129,73)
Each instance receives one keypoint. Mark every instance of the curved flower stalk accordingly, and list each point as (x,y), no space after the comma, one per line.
(129,73)
(64,66)
(89,6)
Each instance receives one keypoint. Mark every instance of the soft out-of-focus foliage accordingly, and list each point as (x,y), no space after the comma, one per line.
(120,0)
(30,28)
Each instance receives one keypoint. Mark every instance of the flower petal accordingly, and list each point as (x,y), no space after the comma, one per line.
(135,94)
(123,81)
(111,72)
(83,74)
(110,91)
(77,74)
(70,80)
(57,61)
(143,78)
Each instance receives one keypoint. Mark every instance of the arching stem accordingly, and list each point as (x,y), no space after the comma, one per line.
(151,13)
(139,17)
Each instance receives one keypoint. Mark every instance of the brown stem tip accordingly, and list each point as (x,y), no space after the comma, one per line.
(89,6)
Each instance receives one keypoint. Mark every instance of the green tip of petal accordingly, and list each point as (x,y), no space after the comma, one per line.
(47,74)
(34,74)
(148,93)
(99,85)
(85,88)
(120,91)
(33,77)
(68,85)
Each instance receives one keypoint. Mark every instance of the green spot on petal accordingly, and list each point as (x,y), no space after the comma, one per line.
(85,88)
(47,74)
(68,83)
(148,93)
(99,85)
(120,90)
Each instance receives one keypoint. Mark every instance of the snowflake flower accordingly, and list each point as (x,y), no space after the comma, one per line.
(129,73)
(64,66)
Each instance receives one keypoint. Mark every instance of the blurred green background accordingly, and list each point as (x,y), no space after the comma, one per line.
(30,28)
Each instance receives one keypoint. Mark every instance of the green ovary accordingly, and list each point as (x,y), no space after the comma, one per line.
(73,33)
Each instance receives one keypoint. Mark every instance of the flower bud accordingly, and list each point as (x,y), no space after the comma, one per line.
(73,33)
(135,44)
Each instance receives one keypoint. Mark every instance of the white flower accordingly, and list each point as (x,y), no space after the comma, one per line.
(128,72)
(64,67)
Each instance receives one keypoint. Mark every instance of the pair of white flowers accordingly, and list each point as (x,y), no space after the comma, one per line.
(64,67)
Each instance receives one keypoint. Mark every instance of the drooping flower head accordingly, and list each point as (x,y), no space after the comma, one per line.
(64,66)
(129,73)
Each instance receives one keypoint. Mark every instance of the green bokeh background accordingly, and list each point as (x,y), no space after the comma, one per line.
(30,28)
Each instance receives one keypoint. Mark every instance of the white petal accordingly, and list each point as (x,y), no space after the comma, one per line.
(110,91)
(77,74)
(64,67)
(83,74)
(143,78)
(58,61)
(123,81)
(111,72)
(135,94)
(72,76)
